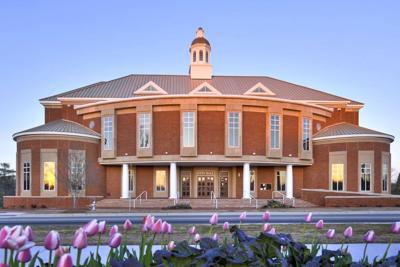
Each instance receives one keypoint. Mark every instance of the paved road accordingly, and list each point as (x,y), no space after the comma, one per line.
(346,217)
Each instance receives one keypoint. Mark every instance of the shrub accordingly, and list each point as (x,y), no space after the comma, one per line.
(179,206)
(273,204)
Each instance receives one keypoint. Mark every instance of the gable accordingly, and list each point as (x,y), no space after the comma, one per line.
(205,89)
(259,89)
(150,88)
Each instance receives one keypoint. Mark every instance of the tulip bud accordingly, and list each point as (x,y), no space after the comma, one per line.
(164,227)
(52,240)
(28,233)
(272,231)
(148,223)
(171,245)
(65,261)
(156,228)
(16,231)
(214,219)
(369,236)
(319,224)
(308,217)
(243,216)
(330,233)
(348,232)
(91,228)
(115,240)
(396,228)
(102,227)
(266,227)
(24,256)
(192,230)
(113,230)
(80,240)
(11,243)
(225,227)
(197,238)
(266,216)
(128,225)
(169,229)
(215,237)
(4,233)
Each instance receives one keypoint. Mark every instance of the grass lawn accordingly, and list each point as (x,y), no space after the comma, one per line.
(382,231)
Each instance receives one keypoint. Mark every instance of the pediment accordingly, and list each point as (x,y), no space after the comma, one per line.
(259,89)
(150,88)
(205,89)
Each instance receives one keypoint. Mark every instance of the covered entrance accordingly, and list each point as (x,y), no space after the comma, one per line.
(205,185)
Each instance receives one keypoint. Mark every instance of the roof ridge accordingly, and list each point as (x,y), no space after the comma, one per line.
(74,90)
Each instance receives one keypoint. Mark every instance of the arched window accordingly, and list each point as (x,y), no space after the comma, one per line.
(201,55)
(207,56)
(194,56)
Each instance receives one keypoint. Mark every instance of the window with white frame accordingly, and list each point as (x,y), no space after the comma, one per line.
(49,176)
(144,130)
(365,179)
(161,180)
(280,180)
(385,177)
(108,133)
(188,129)
(275,132)
(306,134)
(233,129)
(337,175)
(77,175)
(131,177)
(27,176)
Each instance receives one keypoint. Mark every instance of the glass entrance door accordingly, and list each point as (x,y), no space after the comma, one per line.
(205,185)
(185,186)
(223,184)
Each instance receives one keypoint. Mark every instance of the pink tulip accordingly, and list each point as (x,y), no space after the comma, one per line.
(396,228)
(369,236)
(102,227)
(80,240)
(65,261)
(214,219)
(171,245)
(225,227)
(115,240)
(91,228)
(28,233)
(11,243)
(27,245)
(330,233)
(16,231)
(266,227)
(128,225)
(4,233)
(348,232)
(156,228)
(164,227)
(113,230)
(243,216)
(3,265)
(266,216)
(308,217)
(52,240)
(320,224)
(192,230)
(272,231)
(24,256)
(196,237)
(169,229)
(215,237)
(148,223)
(61,251)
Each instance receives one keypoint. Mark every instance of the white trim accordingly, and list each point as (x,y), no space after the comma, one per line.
(14,136)
(196,90)
(142,90)
(262,86)
(388,136)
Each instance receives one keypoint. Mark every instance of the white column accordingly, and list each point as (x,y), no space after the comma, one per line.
(125,181)
(289,181)
(246,181)
(172,181)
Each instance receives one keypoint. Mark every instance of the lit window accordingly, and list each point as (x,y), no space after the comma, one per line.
(207,56)
(49,179)
(161,180)
(27,176)
(385,177)
(252,180)
(275,132)
(337,176)
(194,56)
(306,134)
(201,55)
(233,126)
(108,132)
(365,177)
(281,180)
(188,129)
(144,130)
(131,177)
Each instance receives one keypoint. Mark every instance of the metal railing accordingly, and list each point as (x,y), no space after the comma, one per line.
(139,197)
(176,200)
(256,200)
(283,197)
(214,200)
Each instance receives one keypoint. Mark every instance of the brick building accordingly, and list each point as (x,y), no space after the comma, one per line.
(198,135)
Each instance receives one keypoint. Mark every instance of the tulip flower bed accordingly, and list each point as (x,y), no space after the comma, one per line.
(212,245)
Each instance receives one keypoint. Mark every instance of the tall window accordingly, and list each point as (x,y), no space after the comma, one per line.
(188,129)
(385,177)
(108,132)
(131,177)
(194,56)
(144,130)
(49,178)
(280,180)
(337,176)
(77,166)
(207,56)
(306,134)
(201,55)
(252,180)
(234,129)
(27,176)
(365,177)
(275,131)
(161,180)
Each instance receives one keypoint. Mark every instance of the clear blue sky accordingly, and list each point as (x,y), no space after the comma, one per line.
(349,48)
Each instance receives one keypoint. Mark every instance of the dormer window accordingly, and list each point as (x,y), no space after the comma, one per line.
(194,56)
(204,89)
(259,90)
(151,89)
(201,55)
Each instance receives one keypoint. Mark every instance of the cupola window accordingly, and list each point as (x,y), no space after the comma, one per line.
(201,55)
(194,56)
(207,56)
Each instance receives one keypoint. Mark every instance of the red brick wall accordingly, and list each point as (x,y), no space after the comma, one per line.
(166,132)
(239,182)
(126,134)
(290,135)
(66,112)
(265,175)
(254,133)
(47,202)
(144,180)
(343,116)
(97,123)
(211,132)
(317,176)
(52,114)
(297,181)
(113,181)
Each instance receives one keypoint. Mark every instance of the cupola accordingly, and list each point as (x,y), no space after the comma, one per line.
(200,56)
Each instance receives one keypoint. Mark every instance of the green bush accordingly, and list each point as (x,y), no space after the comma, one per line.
(273,204)
(179,206)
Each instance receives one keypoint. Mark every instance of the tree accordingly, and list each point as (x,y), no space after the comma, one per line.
(76,178)
(5,170)
(7,181)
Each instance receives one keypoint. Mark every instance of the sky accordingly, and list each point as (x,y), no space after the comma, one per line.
(348,48)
